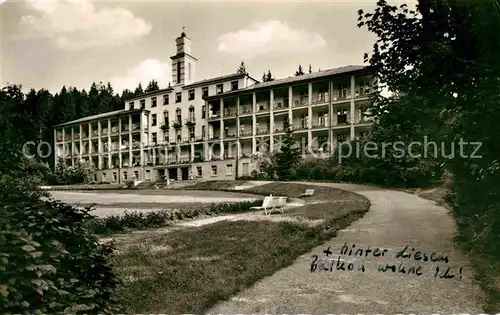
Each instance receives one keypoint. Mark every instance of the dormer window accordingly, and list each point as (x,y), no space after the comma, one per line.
(131,105)
(234,85)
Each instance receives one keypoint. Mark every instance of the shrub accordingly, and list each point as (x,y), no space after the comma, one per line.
(162,218)
(50,263)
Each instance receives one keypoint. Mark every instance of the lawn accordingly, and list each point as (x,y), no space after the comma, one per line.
(190,270)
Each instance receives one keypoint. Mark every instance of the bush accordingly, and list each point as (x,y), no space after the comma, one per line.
(50,263)
(162,218)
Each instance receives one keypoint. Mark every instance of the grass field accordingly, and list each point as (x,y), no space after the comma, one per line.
(189,270)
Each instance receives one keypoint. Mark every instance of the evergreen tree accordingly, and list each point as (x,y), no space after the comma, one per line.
(269,76)
(152,86)
(264,77)
(242,69)
(299,71)
(138,90)
(288,156)
(310,69)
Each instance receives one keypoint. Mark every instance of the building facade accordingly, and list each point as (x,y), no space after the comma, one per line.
(209,129)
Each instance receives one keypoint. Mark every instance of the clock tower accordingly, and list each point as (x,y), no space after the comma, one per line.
(183,64)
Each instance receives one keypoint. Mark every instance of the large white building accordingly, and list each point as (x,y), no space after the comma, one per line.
(208,129)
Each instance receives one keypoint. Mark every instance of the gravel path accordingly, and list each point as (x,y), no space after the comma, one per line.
(395,219)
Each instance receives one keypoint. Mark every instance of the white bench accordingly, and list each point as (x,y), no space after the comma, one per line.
(271,203)
(308,193)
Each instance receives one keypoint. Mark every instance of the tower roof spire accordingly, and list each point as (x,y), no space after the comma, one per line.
(183,31)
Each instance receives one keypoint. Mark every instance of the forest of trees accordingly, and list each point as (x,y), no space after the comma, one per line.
(34,113)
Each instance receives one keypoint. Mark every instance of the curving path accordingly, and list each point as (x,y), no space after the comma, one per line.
(395,220)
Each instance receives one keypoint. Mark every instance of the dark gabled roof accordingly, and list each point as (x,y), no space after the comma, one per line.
(117,113)
(286,81)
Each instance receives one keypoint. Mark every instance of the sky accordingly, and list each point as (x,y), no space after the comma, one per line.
(48,43)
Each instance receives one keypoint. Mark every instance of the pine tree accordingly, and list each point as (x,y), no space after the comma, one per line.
(264,78)
(300,71)
(288,156)
(152,86)
(138,90)
(242,69)
(310,69)
(269,76)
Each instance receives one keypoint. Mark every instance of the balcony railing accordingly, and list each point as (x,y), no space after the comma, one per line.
(165,126)
(136,145)
(262,132)
(95,133)
(299,127)
(214,137)
(76,136)
(320,98)
(190,121)
(245,134)
(281,104)
(245,111)
(176,124)
(136,126)
(214,116)
(304,101)
(229,135)
(319,125)
(279,130)
(262,107)
(125,129)
(229,113)
(114,130)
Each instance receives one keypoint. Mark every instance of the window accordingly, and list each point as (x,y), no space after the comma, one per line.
(95,177)
(234,85)
(203,132)
(165,137)
(203,112)
(115,177)
(229,169)
(191,133)
(165,99)
(178,97)
(153,101)
(148,175)
(199,171)
(153,137)
(191,95)
(178,136)
(153,120)
(125,175)
(136,174)
(344,91)
(191,113)
(219,89)
(341,137)
(178,72)
(214,170)
(342,116)
(104,176)
(323,119)
(143,104)
(131,104)
(204,91)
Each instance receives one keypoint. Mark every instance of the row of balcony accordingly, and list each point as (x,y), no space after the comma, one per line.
(262,107)
(178,123)
(95,133)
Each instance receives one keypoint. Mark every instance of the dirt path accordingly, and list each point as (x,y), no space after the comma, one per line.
(395,219)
